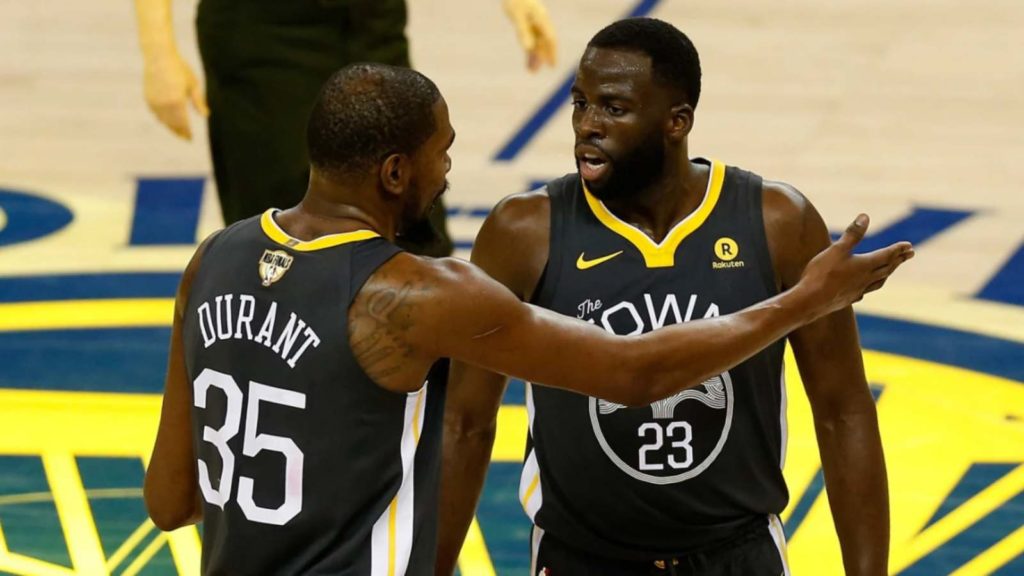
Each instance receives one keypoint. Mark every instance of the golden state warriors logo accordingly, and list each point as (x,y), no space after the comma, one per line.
(273,265)
(673,439)
(727,250)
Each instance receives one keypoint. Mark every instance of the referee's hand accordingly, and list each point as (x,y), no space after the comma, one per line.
(170,85)
(534,29)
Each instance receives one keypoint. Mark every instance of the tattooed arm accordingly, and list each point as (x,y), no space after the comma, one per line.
(414,310)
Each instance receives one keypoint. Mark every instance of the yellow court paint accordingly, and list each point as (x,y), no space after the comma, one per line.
(936,422)
(71,314)
(474,559)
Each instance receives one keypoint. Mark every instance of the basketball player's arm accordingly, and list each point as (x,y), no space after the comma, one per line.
(828,355)
(415,310)
(171,486)
(474,394)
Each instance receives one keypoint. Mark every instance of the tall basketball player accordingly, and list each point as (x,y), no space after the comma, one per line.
(642,238)
(301,418)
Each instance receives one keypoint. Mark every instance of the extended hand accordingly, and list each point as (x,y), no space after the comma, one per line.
(170,85)
(533,27)
(837,278)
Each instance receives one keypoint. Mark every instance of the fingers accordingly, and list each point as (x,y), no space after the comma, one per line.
(883,257)
(175,116)
(534,30)
(523,31)
(198,98)
(854,232)
(881,274)
(874,286)
(169,86)
(547,42)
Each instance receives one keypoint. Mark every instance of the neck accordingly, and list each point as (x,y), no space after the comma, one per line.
(333,207)
(667,200)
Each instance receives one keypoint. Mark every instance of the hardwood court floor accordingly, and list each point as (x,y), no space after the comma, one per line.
(908,110)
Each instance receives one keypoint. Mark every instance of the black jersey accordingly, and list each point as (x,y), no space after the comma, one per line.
(305,465)
(688,470)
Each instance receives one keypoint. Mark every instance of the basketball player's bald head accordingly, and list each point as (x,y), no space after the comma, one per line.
(367,111)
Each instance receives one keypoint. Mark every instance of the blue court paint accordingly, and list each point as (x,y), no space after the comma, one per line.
(977,478)
(52,359)
(506,528)
(1007,285)
(810,495)
(555,100)
(1014,567)
(30,217)
(115,518)
(89,286)
(943,346)
(166,211)
(32,529)
(117,360)
(918,227)
(966,545)
(515,393)
(817,484)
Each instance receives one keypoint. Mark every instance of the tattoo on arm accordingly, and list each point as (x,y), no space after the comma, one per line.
(377,323)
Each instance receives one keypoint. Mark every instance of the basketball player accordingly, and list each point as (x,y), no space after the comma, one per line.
(301,417)
(641,238)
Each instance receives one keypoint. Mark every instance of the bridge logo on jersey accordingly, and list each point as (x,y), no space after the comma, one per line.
(673,439)
(273,265)
(726,249)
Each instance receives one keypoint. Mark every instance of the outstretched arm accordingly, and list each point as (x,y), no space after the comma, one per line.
(422,310)
(828,355)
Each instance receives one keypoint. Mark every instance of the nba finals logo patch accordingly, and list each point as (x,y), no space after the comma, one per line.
(727,250)
(273,265)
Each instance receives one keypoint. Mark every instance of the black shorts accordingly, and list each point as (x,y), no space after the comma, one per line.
(757,552)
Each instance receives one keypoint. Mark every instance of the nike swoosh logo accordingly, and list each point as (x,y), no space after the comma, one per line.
(582,263)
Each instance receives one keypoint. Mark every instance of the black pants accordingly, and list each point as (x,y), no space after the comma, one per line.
(751,553)
(265,61)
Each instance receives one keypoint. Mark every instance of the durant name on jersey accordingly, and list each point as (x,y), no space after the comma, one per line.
(232,319)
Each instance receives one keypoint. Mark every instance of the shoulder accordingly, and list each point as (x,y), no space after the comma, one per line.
(794,229)
(420,278)
(513,243)
(188,276)
(785,208)
(523,214)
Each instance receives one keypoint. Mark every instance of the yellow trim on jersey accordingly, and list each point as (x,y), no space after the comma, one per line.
(416,415)
(275,233)
(531,489)
(392,520)
(663,254)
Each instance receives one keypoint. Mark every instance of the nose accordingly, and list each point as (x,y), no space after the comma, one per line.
(589,123)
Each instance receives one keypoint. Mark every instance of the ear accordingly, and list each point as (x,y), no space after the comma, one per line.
(680,121)
(395,171)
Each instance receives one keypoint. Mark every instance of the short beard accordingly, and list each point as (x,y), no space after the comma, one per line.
(634,171)
(415,222)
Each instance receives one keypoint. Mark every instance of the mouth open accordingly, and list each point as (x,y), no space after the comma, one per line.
(592,167)
(593,163)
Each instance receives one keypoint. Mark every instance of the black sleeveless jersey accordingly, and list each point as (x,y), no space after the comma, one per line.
(686,471)
(305,465)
